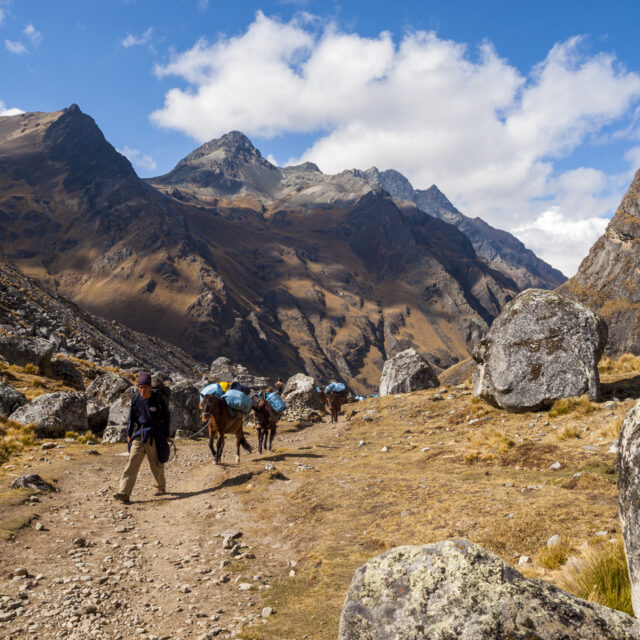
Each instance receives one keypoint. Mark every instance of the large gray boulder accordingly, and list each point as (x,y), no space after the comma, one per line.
(223,370)
(300,393)
(119,409)
(114,434)
(628,492)
(64,370)
(101,394)
(54,413)
(456,589)
(407,371)
(540,348)
(22,351)
(10,399)
(184,407)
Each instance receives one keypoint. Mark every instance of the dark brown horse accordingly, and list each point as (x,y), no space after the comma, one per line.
(216,413)
(266,421)
(335,400)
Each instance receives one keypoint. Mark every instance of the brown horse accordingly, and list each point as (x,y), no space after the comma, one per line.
(335,402)
(216,412)
(266,421)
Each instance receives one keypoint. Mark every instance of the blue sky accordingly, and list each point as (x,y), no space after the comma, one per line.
(525,114)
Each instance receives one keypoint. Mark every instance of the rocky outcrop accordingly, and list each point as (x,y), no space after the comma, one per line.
(64,370)
(405,372)
(10,399)
(22,351)
(628,491)
(54,413)
(32,481)
(119,409)
(224,370)
(455,589)
(184,407)
(542,347)
(101,394)
(607,280)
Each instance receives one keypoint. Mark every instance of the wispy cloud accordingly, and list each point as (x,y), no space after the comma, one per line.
(33,34)
(15,46)
(2,15)
(140,160)
(134,41)
(488,134)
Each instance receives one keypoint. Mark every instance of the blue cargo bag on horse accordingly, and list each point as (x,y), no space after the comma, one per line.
(336,387)
(212,389)
(276,402)
(238,401)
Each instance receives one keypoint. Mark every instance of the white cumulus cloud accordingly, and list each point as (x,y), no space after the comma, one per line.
(134,41)
(15,46)
(4,111)
(488,134)
(138,159)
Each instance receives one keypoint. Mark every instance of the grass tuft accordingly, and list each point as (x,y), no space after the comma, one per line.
(581,406)
(601,576)
(570,432)
(553,557)
(14,437)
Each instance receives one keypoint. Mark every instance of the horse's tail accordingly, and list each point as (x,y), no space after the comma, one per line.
(245,445)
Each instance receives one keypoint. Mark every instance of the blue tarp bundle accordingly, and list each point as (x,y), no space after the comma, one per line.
(238,401)
(336,387)
(276,402)
(211,389)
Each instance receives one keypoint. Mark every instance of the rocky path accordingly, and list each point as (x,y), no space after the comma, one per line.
(191,564)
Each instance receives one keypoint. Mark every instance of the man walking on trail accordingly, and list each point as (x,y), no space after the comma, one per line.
(147,433)
(278,387)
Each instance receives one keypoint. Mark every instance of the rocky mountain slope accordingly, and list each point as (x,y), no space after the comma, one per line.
(281,269)
(27,310)
(608,280)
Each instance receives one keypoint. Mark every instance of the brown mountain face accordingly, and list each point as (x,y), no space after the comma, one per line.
(280,269)
(608,280)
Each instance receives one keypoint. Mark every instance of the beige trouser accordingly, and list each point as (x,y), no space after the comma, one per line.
(136,456)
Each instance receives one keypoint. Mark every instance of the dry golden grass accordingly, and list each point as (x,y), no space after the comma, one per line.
(569,432)
(14,438)
(601,576)
(553,557)
(624,364)
(440,478)
(581,406)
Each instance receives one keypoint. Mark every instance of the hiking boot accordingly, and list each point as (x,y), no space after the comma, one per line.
(123,497)
(159,492)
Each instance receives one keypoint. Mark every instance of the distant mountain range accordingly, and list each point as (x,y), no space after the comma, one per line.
(282,269)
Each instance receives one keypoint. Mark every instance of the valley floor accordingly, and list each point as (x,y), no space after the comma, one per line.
(410,469)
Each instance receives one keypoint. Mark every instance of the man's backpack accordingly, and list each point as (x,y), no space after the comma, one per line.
(164,392)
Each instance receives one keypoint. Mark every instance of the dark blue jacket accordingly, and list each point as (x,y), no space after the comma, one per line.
(148,419)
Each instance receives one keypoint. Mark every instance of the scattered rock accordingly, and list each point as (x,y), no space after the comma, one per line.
(433,592)
(556,466)
(524,560)
(554,541)
(266,612)
(32,481)
(540,348)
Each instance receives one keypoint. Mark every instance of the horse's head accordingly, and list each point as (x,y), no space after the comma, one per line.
(207,407)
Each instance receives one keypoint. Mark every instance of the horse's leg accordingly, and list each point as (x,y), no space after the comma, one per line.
(220,448)
(272,435)
(238,438)
(211,447)
(260,436)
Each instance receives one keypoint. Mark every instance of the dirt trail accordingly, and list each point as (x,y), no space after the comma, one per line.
(153,569)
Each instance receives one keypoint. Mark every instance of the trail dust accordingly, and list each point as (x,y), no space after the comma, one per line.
(409,469)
